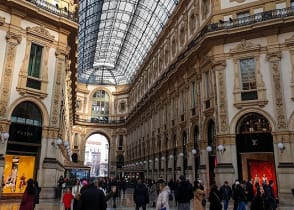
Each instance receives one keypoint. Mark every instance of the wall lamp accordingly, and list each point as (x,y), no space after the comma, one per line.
(57,142)
(194,151)
(181,154)
(163,158)
(220,148)
(4,136)
(208,148)
(281,147)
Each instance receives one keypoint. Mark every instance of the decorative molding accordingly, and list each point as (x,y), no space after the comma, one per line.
(2,20)
(239,1)
(40,32)
(245,45)
(274,59)
(13,40)
(247,49)
(222,105)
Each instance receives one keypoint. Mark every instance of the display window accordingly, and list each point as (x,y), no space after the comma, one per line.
(18,169)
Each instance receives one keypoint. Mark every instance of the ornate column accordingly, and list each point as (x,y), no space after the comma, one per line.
(274,59)
(12,40)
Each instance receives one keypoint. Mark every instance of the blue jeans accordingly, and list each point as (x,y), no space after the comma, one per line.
(226,203)
(242,205)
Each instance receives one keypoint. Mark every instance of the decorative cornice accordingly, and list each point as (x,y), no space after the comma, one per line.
(41,32)
(2,21)
(12,37)
(239,1)
(245,45)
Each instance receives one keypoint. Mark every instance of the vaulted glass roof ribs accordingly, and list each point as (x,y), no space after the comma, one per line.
(115,36)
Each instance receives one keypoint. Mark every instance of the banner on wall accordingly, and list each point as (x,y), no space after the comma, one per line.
(18,169)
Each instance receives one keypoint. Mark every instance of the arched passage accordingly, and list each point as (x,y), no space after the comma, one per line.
(255,151)
(23,147)
(97,155)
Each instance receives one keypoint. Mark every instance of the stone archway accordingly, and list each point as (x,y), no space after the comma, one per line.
(255,150)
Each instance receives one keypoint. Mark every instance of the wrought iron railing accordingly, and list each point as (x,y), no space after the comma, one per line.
(63,12)
(102,121)
(213,27)
(252,19)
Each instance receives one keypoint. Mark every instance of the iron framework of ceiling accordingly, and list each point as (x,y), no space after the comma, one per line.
(115,36)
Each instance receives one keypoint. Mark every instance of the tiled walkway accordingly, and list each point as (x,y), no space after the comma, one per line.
(123,203)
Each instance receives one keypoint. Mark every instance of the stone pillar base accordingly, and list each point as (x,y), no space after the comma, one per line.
(224,172)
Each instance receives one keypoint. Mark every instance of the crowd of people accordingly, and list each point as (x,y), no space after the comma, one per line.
(95,193)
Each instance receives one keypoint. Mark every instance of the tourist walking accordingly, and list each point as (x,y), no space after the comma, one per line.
(162,199)
(37,193)
(226,193)
(198,197)
(214,199)
(92,198)
(153,193)
(184,194)
(141,195)
(67,198)
(27,201)
(76,193)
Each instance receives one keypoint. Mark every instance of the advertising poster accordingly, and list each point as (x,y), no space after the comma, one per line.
(18,169)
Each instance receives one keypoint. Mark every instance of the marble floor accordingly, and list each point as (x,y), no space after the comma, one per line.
(123,203)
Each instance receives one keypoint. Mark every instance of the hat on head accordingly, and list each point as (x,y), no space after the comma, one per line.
(161,181)
(182,178)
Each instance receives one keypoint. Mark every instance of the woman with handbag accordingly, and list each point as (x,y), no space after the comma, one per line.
(162,199)
(215,199)
(198,197)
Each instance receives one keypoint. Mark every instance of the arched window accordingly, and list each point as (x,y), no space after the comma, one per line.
(100,106)
(26,123)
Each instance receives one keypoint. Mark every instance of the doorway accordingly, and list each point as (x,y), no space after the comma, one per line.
(255,151)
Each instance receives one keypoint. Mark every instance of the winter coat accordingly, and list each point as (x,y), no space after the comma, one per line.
(215,200)
(67,197)
(92,199)
(153,193)
(141,195)
(162,200)
(184,192)
(198,197)
(27,201)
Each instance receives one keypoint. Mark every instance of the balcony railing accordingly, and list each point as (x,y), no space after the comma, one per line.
(249,20)
(105,120)
(63,12)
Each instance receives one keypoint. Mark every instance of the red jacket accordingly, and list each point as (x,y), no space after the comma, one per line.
(67,197)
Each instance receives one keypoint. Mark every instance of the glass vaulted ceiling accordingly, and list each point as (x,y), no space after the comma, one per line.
(115,36)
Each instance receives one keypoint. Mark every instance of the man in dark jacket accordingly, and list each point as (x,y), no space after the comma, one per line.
(184,193)
(141,196)
(226,193)
(92,198)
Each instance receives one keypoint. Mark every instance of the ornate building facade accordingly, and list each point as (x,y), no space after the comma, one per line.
(213,98)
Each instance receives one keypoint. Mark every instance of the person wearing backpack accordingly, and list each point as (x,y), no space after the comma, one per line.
(184,193)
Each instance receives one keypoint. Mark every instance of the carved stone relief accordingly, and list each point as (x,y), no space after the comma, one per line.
(223,110)
(290,42)
(2,20)
(13,40)
(274,60)
(59,68)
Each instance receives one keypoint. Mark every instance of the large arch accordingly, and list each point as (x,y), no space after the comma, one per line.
(42,107)
(238,116)
(255,149)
